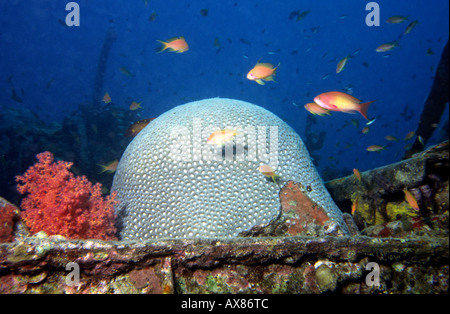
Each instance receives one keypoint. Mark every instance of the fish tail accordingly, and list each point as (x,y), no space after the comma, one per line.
(104,168)
(162,48)
(363,109)
(276,178)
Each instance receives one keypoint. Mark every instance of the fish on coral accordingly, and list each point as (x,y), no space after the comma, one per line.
(354,206)
(137,127)
(57,202)
(411,200)
(269,172)
(221,137)
(357,174)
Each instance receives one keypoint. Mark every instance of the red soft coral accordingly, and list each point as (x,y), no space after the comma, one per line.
(60,203)
(7,213)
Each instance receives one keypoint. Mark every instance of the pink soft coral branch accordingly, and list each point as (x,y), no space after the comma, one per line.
(60,203)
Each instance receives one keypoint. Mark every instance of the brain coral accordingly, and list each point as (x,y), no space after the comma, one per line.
(171,183)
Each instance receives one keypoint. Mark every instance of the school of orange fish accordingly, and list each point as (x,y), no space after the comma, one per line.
(263,72)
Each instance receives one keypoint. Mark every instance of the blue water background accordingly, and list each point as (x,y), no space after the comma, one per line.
(52,67)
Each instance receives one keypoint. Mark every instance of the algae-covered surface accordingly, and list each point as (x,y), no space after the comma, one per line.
(243,265)
(389,247)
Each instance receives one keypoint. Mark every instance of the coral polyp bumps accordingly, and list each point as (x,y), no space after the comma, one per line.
(171,184)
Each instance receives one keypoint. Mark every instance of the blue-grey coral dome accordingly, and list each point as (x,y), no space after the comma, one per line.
(172,184)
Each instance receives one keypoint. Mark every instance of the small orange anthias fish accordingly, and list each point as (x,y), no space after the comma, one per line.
(175,44)
(357,174)
(135,105)
(411,200)
(354,206)
(262,72)
(106,99)
(221,137)
(387,46)
(391,138)
(269,173)
(375,148)
(341,65)
(365,130)
(410,27)
(410,135)
(109,167)
(315,109)
(137,127)
(396,19)
(339,101)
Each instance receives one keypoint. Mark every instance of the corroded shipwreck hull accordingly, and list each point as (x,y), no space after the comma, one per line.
(293,254)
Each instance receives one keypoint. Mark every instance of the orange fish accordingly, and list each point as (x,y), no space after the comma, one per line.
(221,136)
(411,200)
(410,27)
(269,172)
(396,19)
(109,167)
(175,44)
(357,174)
(153,16)
(354,206)
(391,138)
(262,72)
(338,101)
(375,148)
(315,109)
(134,105)
(387,47)
(106,98)
(365,130)
(409,135)
(341,65)
(137,127)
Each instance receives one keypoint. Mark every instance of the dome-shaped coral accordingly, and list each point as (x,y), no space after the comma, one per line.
(172,183)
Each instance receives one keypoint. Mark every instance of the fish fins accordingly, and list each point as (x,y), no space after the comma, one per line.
(104,168)
(363,109)
(162,48)
(260,82)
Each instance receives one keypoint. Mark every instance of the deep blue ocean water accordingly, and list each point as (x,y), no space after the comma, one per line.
(52,67)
